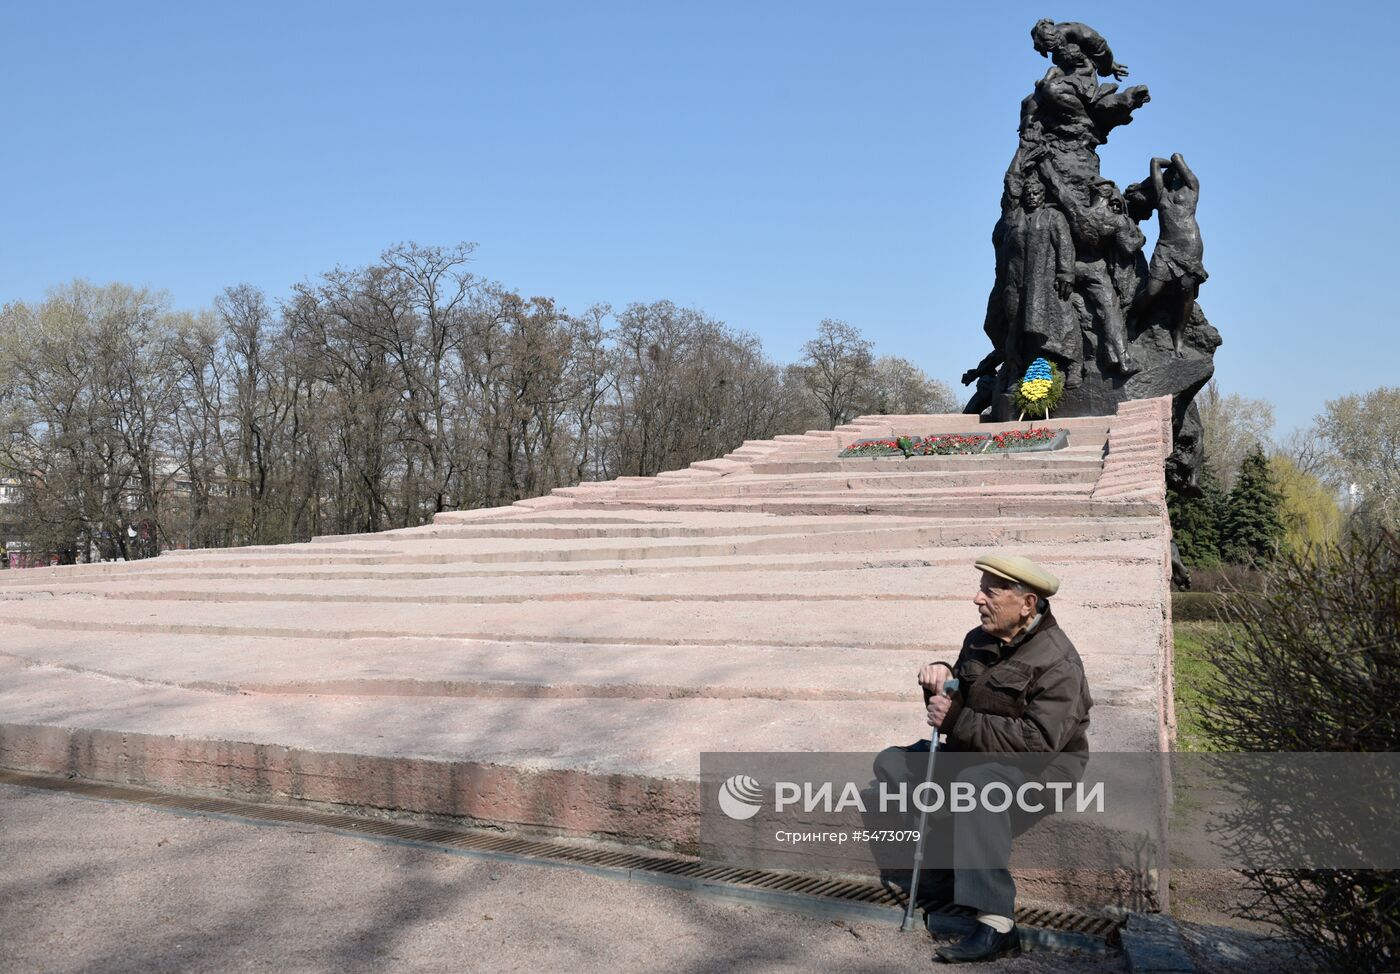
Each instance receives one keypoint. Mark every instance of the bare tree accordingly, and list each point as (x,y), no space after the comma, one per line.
(375,397)
(1234,425)
(195,440)
(592,382)
(1362,432)
(93,376)
(345,321)
(899,387)
(1307,452)
(260,383)
(838,365)
(686,387)
(653,345)
(423,345)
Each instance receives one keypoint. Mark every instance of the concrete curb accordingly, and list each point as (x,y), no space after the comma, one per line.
(1152,944)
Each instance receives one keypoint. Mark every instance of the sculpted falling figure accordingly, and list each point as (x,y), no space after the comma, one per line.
(1069,114)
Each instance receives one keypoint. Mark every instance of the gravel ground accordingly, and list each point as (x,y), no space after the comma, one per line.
(98,887)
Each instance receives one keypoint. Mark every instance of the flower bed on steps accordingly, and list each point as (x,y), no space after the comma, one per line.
(943,444)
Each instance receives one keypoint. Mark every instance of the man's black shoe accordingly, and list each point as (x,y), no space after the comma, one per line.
(983,943)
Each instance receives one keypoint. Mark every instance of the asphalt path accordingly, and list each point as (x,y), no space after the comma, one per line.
(104,887)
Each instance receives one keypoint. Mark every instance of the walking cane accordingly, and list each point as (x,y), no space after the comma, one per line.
(949,688)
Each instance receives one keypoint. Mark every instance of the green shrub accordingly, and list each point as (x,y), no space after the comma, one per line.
(1228,579)
(1196,606)
(1312,663)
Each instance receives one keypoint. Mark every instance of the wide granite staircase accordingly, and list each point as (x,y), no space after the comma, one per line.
(558,665)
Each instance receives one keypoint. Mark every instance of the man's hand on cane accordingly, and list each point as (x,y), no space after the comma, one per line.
(937,708)
(936,700)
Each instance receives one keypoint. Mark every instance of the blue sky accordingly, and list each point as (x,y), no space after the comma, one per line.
(773,163)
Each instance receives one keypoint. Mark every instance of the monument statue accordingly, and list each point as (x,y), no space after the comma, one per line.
(1104,239)
(1041,259)
(1072,283)
(1176,261)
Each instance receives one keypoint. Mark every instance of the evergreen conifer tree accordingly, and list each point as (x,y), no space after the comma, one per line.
(1253,528)
(1196,521)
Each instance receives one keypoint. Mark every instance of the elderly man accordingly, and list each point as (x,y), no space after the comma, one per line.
(1021,690)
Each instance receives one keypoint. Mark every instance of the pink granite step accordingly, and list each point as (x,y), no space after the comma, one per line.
(1136,552)
(555,528)
(994,503)
(953,483)
(1119,585)
(833,622)
(230,664)
(948,529)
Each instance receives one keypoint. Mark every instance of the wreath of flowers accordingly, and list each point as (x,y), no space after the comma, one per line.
(1041,389)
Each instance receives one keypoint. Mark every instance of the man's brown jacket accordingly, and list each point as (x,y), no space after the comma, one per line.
(1030,695)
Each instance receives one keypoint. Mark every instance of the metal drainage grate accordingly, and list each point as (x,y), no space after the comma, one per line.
(866,900)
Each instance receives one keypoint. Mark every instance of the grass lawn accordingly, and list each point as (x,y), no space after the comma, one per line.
(1193,670)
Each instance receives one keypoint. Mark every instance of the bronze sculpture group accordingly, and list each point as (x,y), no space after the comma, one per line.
(1072,282)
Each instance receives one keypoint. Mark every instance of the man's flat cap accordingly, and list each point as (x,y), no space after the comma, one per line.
(1014,568)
